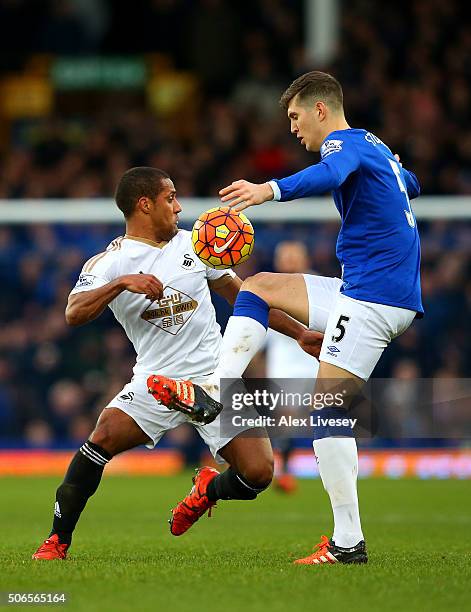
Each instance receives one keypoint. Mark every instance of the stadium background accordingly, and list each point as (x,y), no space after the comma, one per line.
(90,89)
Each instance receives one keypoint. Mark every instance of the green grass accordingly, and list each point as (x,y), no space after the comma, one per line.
(123,558)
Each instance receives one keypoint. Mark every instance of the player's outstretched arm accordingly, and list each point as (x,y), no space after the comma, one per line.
(314,180)
(88,305)
(318,179)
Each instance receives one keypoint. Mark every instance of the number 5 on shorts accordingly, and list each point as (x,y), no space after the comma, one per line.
(341,328)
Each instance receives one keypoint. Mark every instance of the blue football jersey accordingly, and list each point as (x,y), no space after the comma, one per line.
(378,246)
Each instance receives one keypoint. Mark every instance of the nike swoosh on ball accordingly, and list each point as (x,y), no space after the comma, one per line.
(220,249)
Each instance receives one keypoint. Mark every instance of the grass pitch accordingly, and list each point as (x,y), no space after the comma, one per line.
(123,557)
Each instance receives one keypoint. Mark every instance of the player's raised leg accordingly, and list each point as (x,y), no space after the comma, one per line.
(114,433)
(250,472)
(247,327)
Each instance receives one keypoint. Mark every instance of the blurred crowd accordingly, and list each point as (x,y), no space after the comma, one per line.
(404,76)
(54,379)
(406,72)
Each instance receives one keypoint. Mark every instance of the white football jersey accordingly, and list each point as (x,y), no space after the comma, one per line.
(177,335)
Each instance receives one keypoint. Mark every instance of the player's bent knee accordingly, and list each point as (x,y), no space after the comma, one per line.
(116,432)
(259,474)
(262,284)
(103,436)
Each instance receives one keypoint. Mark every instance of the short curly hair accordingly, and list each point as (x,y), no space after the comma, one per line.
(136,183)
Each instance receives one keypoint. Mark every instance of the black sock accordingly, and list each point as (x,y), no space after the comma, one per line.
(80,482)
(231,485)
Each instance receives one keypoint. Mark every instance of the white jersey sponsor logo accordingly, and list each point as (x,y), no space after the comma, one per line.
(172,311)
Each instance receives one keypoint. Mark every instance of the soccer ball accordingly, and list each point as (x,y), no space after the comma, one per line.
(222,238)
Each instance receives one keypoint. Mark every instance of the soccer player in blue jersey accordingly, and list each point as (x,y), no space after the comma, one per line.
(375,300)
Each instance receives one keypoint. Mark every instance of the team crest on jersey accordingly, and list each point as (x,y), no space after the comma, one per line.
(188,261)
(127,397)
(172,311)
(331,146)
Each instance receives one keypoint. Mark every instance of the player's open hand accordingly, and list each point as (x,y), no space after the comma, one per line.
(147,284)
(311,341)
(242,194)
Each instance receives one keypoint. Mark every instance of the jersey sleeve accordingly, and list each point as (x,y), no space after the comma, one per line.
(339,160)
(216,275)
(97,272)
(412,184)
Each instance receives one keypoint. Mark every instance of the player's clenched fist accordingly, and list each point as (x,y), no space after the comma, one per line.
(147,284)
(311,342)
(242,194)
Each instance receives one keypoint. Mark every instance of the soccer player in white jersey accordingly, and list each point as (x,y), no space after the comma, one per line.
(376,300)
(160,293)
(285,359)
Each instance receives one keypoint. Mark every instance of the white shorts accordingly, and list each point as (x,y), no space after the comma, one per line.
(155,419)
(356,332)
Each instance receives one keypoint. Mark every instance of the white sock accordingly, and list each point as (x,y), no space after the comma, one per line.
(338,467)
(243,337)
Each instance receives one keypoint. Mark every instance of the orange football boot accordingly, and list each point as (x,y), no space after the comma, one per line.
(195,503)
(328,552)
(51,549)
(184,396)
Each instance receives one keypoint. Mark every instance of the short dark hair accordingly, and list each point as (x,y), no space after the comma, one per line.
(137,183)
(314,86)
